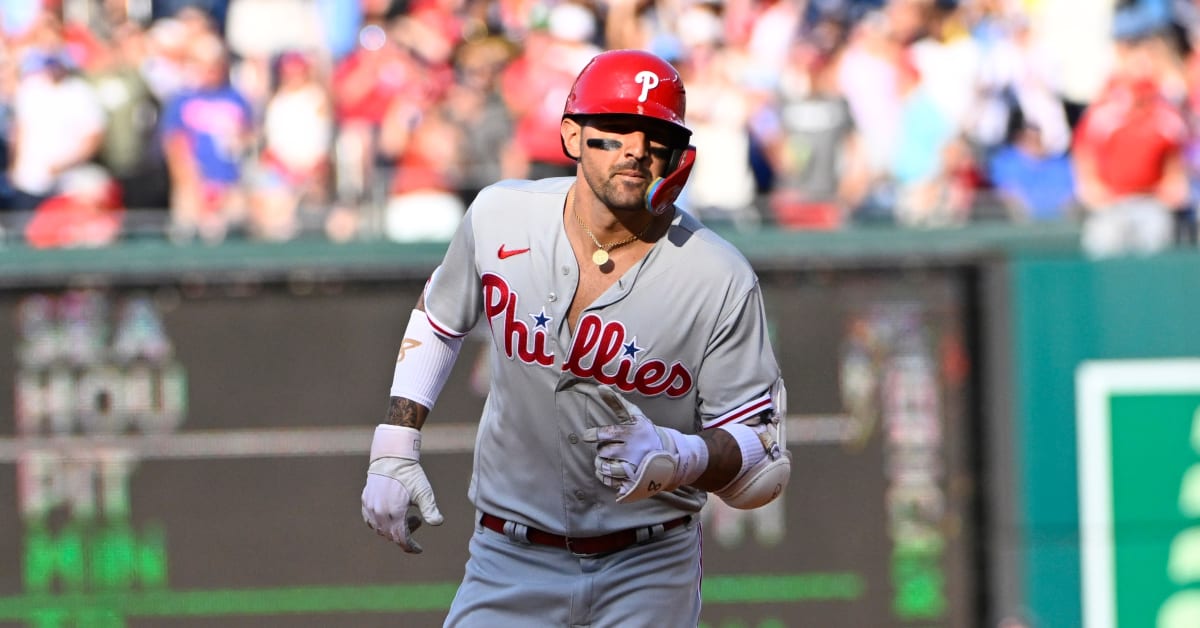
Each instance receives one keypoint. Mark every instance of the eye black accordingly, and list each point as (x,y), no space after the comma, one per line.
(603,144)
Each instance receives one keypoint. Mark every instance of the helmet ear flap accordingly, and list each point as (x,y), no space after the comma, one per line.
(661,194)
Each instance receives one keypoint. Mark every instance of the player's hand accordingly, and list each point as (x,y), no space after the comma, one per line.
(395,480)
(639,458)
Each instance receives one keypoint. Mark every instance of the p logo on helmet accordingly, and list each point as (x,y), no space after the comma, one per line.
(648,80)
(637,83)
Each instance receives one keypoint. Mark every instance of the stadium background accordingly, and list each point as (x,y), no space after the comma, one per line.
(184,425)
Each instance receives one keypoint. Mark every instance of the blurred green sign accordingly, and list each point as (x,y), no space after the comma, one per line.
(1139,492)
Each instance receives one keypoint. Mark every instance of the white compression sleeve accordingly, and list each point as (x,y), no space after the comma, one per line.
(424,362)
(749,442)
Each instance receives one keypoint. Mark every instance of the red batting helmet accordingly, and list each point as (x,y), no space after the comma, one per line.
(630,82)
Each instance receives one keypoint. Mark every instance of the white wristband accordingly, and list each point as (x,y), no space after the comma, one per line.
(748,441)
(396,441)
(424,362)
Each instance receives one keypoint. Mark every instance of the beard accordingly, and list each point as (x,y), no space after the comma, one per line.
(619,194)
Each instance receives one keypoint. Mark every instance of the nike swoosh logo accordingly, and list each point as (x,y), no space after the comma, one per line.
(502,254)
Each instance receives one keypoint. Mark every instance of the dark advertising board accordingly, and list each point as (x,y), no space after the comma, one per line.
(190,454)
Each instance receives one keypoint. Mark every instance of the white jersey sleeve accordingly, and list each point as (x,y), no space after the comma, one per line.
(739,360)
(453,293)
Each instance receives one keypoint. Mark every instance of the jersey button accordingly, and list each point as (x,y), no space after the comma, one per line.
(580,495)
(552,297)
(566,270)
(573,438)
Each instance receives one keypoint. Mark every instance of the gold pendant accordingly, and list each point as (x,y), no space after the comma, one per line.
(600,257)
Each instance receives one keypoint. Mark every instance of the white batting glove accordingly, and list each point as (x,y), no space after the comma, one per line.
(396,480)
(639,458)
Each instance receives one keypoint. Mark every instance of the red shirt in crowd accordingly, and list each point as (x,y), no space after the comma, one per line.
(1131,132)
(536,88)
(366,82)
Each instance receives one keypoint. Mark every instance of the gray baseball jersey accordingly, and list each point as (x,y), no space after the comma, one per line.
(682,334)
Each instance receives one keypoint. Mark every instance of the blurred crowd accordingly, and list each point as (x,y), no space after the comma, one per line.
(346,119)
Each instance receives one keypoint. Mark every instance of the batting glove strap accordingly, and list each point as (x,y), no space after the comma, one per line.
(395,441)
(692,457)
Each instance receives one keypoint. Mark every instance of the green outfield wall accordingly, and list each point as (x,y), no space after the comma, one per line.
(1138,322)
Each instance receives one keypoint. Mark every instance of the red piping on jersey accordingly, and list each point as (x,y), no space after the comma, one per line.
(442,330)
(750,410)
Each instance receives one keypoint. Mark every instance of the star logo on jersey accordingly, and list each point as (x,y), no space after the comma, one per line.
(631,349)
(505,254)
(540,319)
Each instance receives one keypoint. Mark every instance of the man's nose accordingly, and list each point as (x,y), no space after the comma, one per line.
(636,145)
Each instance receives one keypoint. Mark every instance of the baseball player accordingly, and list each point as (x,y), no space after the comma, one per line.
(632,375)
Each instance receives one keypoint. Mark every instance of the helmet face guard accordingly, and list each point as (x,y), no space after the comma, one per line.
(661,194)
(637,83)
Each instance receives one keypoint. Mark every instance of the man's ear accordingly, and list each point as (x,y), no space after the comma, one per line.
(572,138)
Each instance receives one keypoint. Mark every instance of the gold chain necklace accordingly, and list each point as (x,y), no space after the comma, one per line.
(600,257)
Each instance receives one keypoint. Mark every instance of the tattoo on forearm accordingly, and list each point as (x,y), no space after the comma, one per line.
(406,413)
(724,459)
